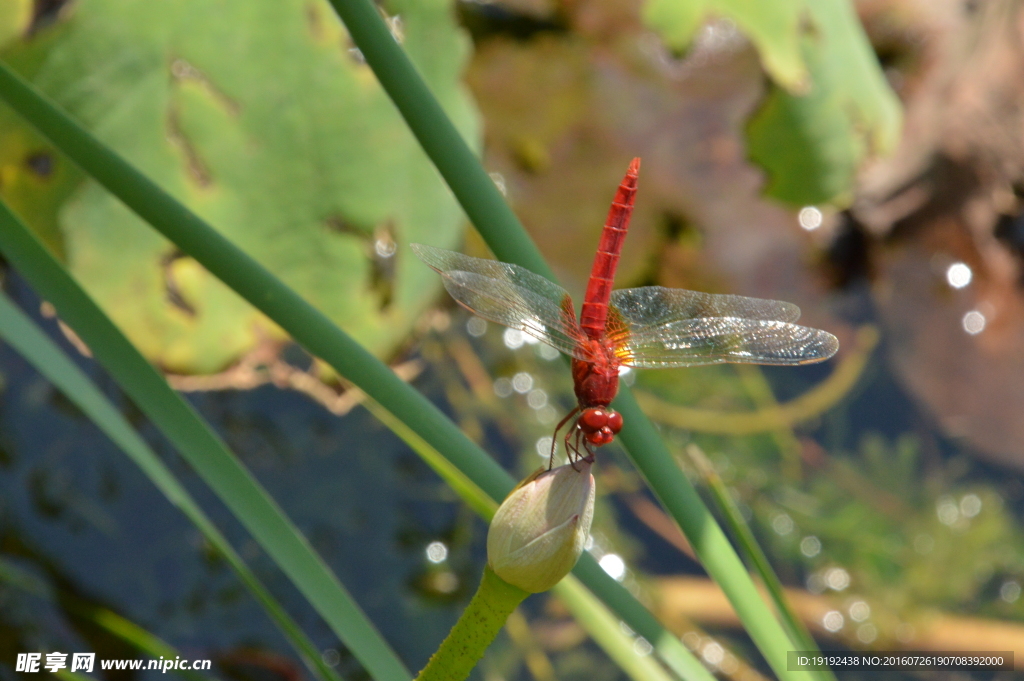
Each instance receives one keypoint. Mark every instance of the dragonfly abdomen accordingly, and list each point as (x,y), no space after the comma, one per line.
(594,314)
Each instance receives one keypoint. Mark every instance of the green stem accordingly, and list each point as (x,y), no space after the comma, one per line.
(479,623)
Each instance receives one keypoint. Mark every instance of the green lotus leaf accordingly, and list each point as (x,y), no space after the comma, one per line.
(262,118)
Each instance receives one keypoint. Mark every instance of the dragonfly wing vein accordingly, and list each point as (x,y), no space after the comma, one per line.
(715,340)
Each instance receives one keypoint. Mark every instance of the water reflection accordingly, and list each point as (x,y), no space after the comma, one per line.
(836,579)
(833,620)
(973,322)
(959,275)
(513,338)
(537,398)
(810,546)
(436,552)
(1010,591)
(503,387)
(859,611)
(810,218)
(614,565)
(782,523)
(385,247)
(522,382)
(476,327)
(867,633)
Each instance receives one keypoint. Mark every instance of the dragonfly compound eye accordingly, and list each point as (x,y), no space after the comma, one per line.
(593,420)
(601,437)
(615,421)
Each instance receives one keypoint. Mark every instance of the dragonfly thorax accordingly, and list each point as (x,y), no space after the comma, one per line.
(596,378)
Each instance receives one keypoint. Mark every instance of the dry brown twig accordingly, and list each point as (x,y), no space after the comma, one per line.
(264,365)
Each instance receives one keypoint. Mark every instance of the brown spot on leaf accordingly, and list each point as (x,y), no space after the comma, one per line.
(314,20)
(171,288)
(183,70)
(382,263)
(198,171)
(379,246)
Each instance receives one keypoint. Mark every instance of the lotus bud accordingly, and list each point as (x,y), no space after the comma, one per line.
(539,531)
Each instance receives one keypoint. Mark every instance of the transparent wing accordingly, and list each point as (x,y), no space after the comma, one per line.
(657,306)
(714,340)
(655,326)
(509,295)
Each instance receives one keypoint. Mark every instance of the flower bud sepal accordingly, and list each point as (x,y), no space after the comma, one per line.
(539,532)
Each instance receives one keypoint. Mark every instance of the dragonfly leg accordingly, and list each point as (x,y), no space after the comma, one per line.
(589,458)
(554,437)
(573,452)
(570,449)
(581,442)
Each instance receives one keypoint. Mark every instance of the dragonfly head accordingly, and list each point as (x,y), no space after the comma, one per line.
(599,425)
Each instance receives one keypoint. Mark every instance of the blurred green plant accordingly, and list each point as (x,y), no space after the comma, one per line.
(875,524)
(829,108)
(774,28)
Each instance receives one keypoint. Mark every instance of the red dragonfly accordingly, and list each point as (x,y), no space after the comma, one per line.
(647,327)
